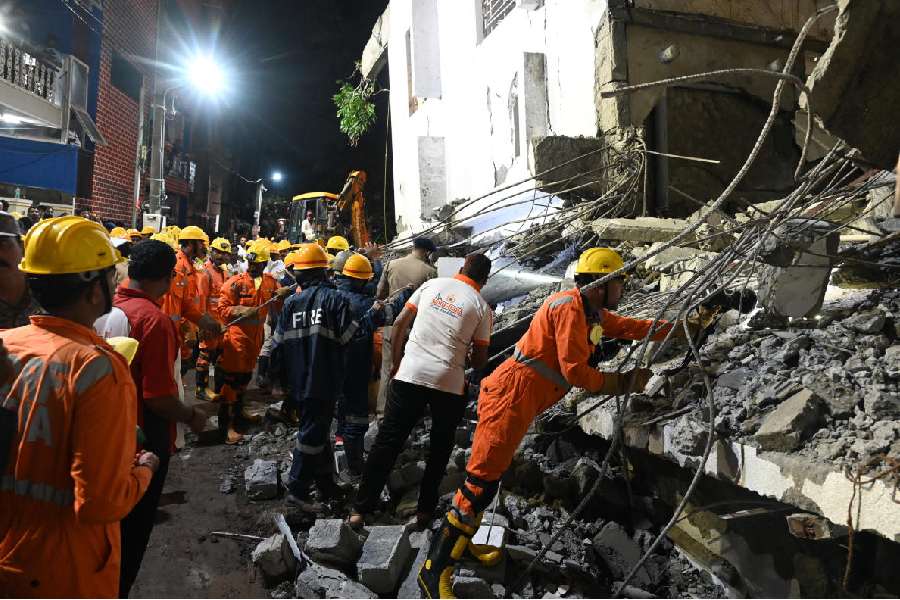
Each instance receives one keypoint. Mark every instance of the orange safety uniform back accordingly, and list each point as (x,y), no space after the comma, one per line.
(209,287)
(183,301)
(244,340)
(211,279)
(70,479)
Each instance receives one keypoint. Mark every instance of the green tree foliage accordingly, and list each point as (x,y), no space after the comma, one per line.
(355,108)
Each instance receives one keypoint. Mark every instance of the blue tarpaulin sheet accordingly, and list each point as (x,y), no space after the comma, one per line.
(38,164)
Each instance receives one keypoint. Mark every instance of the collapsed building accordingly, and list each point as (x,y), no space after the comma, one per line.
(763,458)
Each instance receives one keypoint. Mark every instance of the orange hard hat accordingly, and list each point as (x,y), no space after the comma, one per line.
(309,256)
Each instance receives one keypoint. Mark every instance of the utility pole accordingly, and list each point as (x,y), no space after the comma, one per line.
(260,188)
(158,110)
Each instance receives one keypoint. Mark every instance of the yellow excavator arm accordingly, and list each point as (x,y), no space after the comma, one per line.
(352,200)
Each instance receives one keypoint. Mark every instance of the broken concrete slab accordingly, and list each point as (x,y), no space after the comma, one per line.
(798,258)
(792,422)
(488,535)
(853,84)
(331,541)
(640,229)
(261,480)
(273,557)
(318,581)
(867,322)
(384,556)
(410,586)
(472,587)
(620,553)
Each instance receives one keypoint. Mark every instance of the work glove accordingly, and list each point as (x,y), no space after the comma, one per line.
(284,292)
(243,312)
(696,323)
(616,384)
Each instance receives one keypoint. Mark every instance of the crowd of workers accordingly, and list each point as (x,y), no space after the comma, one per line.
(98,328)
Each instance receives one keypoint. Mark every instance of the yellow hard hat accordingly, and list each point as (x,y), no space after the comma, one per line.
(67,245)
(283,245)
(258,251)
(222,245)
(118,232)
(133,232)
(598,261)
(291,259)
(192,232)
(337,242)
(358,267)
(165,238)
(309,256)
(147,230)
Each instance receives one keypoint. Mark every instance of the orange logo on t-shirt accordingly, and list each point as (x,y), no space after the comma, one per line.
(447,306)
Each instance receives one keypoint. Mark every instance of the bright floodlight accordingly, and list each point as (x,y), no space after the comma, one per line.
(277,176)
(206,76)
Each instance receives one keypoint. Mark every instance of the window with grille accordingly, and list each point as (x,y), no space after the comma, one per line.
(494,11)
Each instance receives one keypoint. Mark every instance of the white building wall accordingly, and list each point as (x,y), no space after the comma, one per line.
(477,83)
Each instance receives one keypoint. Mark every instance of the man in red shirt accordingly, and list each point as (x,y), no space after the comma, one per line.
(153,369)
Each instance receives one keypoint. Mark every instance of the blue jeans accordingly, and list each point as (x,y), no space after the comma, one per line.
(313,460)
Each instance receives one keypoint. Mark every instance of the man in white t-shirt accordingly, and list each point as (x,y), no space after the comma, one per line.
(448,323)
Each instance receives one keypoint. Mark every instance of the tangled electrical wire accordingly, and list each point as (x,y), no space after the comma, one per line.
(820,195)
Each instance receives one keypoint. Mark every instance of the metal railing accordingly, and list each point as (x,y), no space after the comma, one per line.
(494,11)
(23,68)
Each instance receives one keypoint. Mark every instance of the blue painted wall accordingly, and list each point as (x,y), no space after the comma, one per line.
(40,164)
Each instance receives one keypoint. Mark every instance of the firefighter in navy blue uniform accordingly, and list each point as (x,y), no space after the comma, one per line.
(315,328)
(353,405)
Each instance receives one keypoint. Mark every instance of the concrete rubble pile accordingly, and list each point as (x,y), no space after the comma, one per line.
(548,477)
(803,366)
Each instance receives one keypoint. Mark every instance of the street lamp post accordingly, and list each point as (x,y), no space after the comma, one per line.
(205,77)
(260,188)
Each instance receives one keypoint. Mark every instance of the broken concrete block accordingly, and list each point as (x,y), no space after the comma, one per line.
(797,255)
(620,553)
(261,480)
(409,475)
(688,437)
(641,229)
(384,556)
(522,554)
(331,541)
(488,535)
(318,581)
(882,402)
(734,379)
(495,519)
(410,586)
(792,422)
(274,558)
(472,587)
(868,322)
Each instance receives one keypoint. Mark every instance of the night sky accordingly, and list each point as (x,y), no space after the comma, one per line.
(288,56)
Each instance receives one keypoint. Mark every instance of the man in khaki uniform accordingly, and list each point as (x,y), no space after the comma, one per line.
(414,269)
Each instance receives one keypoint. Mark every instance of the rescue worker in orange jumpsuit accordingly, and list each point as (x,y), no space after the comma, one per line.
(210,280)
(551,358)
(243,297)
(183,302)
(72,473)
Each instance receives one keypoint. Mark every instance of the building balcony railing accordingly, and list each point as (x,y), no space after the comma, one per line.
(182,168)
(23,68)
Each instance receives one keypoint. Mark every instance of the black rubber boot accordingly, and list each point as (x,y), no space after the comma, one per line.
(436,575)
